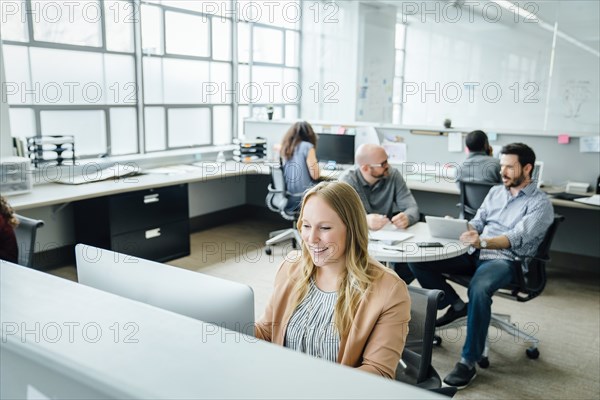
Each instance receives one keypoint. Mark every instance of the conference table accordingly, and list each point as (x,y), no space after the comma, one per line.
(408,251)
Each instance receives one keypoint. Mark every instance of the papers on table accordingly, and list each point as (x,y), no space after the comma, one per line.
(95,174)
(389,234)
(382,248)
(592,200)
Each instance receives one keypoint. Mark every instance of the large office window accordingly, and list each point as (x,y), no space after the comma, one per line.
(268,37)
(138,76)
(70,70)
(187,70)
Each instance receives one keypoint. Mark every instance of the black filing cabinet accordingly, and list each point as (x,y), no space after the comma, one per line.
(151,224)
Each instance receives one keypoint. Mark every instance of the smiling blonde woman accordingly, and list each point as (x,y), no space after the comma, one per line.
(332,300)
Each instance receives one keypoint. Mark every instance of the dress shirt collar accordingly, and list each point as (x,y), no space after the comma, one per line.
(527,190)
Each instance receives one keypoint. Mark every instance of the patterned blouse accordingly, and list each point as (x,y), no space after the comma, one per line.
(311,329)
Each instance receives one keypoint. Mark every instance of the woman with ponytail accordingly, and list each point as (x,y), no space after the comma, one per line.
(299,160)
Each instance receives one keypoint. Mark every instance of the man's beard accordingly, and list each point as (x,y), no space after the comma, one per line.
(380,176)
(516,182)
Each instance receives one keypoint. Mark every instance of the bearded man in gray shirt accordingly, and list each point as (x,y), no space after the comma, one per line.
(384,194)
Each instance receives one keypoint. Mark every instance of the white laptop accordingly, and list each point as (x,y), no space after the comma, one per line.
(445,227)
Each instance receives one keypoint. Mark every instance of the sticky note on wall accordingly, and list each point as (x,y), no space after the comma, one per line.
(564,139)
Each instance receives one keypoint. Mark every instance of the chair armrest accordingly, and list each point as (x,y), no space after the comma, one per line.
(271,189)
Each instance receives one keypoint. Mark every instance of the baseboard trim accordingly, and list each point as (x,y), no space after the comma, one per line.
(55,258)
(231,215)
(563,260)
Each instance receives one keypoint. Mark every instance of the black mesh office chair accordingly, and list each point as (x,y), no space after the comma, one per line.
(26,233)
(277,200)
(415,367)
(530,283)
(472,194)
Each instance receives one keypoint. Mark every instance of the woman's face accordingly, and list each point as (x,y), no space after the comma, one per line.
(324,233)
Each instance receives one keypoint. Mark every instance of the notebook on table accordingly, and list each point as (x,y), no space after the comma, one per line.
(389,234)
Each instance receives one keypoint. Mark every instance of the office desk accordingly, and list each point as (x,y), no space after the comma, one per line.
(56,193)
(93,344)
(413,253)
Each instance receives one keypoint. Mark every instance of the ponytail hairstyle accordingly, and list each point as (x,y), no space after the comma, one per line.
(299,132)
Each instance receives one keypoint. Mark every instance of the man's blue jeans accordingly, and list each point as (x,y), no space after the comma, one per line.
(488,276)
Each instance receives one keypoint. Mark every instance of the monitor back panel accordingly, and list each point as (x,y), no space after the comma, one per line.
(210,299)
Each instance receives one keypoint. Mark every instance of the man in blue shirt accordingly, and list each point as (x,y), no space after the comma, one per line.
(511,222)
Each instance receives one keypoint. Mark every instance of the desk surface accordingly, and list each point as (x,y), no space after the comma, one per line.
(172,357)
(413,253)
(55,193)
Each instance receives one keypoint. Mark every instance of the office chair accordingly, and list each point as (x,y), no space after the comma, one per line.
(530,283)
(472,194)
(277,200)
(26,232)
(415,367)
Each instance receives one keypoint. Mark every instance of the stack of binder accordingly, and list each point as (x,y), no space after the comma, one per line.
(254,150)
(53,149)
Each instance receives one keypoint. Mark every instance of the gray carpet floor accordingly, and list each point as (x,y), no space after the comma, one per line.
(565,318)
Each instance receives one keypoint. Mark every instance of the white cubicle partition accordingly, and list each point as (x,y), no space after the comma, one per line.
(65,340)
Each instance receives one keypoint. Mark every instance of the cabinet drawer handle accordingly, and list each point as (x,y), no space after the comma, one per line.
(152,233)
(151,198)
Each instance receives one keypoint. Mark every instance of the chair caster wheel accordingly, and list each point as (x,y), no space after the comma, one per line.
(484,362)
(437,340)
(533,353)
(268,251)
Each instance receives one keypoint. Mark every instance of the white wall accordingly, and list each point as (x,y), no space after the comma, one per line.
(443,56)
(329,60)
(5,136)
(376,59)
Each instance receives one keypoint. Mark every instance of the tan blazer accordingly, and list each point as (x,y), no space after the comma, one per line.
(378,333)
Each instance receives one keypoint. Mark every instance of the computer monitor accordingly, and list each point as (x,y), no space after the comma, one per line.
(336,148)
(207,298)
(537,173)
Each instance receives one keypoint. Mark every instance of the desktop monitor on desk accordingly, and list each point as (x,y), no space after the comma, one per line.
(214,300)
(335,148)
(537,173)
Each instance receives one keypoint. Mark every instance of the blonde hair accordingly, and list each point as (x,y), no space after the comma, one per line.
(7,212)
(360,269)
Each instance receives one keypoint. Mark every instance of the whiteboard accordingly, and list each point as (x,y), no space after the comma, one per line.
(498,76)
